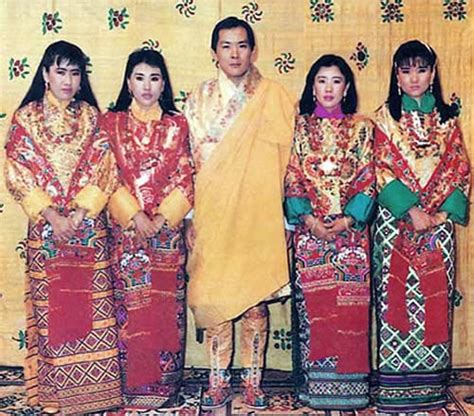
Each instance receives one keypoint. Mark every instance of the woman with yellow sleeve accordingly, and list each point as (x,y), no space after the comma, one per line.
(149,139)
(62,175)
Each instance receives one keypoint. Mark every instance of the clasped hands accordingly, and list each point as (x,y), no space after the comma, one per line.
(327,230)
(422,221)
(146,227)
(64,226)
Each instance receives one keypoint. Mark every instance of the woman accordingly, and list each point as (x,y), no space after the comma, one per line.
(60,173)
(423,177)
(330,188)
(149,140)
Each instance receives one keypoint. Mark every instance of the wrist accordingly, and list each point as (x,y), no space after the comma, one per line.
(308,220)
(81,211)
(48,213)
(348,221)
(137,215)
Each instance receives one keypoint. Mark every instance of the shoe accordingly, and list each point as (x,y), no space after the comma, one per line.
(219,392)
(254,397)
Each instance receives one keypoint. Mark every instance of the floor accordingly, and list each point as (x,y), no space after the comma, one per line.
(277,384)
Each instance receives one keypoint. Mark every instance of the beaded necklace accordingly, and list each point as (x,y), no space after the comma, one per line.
(329,164)
(421,132)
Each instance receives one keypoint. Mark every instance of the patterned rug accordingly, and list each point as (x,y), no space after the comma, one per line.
(278,384)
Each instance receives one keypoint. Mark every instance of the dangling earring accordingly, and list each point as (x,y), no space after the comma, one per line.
(130,94)
(46,85)
(344,96)
(431,88)
(399,90)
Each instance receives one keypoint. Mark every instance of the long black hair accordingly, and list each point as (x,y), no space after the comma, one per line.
(56,53)
(409,54)
(156,60)
(349,104)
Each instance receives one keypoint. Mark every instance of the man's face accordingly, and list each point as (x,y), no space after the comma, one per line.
(233,53)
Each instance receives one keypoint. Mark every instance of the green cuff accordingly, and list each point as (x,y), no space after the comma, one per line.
(457,206)
(360,208)
(397,198)
(295,207)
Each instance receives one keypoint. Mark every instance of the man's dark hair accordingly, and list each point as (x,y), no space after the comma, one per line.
(232,22)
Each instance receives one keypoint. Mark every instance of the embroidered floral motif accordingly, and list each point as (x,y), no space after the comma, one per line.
(21,249)
(21,339)
(458,298)
(18,68)
(392,11)
(204,140)
(285,62)
(360,56)
(151,44)
(51,22)
(187,8)
(432,183)
(118,18)
(180,99)
(454,99)
(59,173)
(88,65)
(251,12)
(326,166)
(322,10)
(454,9)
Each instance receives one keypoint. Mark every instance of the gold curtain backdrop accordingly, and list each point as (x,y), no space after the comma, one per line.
(291,34)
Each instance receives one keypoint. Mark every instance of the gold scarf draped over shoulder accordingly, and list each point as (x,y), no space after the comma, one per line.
(239,257)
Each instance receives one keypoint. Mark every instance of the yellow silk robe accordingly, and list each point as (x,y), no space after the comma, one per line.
(240,140)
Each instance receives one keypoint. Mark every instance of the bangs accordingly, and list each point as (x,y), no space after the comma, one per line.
(414,53)
(70,60)
(415,62)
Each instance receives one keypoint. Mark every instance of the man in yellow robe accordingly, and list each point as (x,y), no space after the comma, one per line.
(241,127)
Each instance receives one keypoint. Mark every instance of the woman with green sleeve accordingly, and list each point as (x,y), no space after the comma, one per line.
(330,194)
(423,180)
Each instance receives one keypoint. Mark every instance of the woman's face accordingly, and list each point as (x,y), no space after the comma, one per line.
(414,78)
(146,85)
(64,80)
(329,87)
